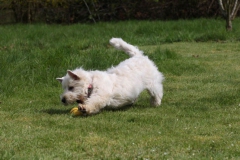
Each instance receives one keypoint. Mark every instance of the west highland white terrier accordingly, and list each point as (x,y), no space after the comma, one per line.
(117,86)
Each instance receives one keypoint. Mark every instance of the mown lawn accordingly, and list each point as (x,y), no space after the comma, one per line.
(198,119)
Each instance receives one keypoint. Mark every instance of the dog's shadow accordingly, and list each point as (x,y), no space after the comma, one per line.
(123,108)
(56,111)
(52,111)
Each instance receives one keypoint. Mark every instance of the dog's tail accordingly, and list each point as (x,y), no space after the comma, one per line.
(118,43)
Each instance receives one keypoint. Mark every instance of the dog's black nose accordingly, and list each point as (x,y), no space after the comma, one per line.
(63,100)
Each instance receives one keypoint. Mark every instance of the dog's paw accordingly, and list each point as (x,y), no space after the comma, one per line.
(82,108)
(87,109)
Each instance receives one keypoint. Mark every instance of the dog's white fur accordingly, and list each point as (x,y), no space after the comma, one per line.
(116,87)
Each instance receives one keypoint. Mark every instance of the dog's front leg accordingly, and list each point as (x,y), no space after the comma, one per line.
(93,105)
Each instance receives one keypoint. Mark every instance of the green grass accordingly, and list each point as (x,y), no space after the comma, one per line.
(198,119)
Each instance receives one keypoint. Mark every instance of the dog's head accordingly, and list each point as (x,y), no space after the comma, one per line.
(76,86)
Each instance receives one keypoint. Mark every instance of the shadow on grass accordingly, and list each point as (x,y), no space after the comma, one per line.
(124,108)
(56,111)
(67,111)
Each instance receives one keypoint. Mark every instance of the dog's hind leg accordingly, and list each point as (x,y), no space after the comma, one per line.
(156,92)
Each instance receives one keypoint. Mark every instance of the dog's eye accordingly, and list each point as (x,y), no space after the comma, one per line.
(70,88)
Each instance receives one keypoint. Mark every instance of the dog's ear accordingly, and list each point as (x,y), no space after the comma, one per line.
(73,75)
(60,79)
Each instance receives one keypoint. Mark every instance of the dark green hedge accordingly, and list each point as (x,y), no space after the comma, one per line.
(73,11)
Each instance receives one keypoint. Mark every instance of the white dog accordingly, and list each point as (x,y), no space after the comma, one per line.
(116,87)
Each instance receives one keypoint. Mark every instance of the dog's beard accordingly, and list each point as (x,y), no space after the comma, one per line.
(68,98)
(71,98)
(81,99)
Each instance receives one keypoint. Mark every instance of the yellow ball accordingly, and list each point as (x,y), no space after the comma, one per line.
(75,112)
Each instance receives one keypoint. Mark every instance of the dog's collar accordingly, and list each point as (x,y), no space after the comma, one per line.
(90,88)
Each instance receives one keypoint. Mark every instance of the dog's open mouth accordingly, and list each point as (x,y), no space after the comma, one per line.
(79,101)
